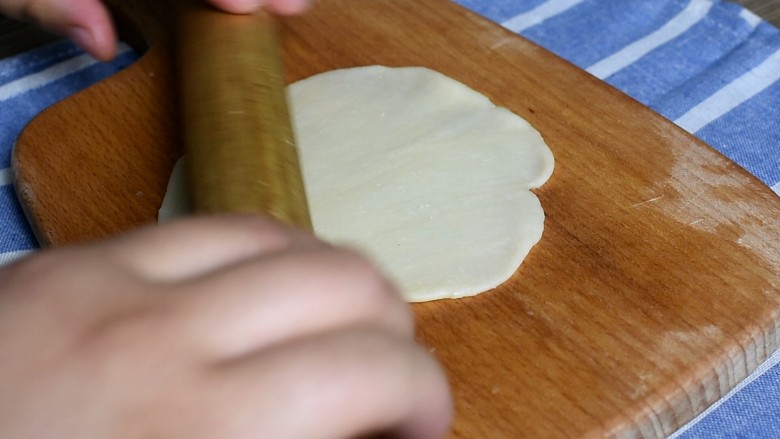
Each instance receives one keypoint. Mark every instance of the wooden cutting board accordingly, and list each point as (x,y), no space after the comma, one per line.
(652,292)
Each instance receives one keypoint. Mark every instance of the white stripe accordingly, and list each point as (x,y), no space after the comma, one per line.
(752,19)
(537,15)
(50,74)
(687,18)
(776,188)
(762,369)
(6,258)
(735,93)
(6,176)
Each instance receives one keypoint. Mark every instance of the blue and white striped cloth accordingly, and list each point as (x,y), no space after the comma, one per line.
(710,66)
(28,84)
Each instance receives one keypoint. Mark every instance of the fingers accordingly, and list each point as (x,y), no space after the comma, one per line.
(341,384)
(191,247)
(274,333)
(288,329)
(288,295)
(86,22)
(248,281)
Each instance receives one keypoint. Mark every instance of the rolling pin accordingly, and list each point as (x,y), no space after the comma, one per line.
(238,138)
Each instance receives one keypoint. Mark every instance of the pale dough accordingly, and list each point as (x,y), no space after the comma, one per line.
(422,173)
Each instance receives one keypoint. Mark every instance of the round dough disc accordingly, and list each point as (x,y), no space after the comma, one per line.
(422,173)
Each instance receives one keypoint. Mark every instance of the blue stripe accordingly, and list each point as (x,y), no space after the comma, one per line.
(27,105)
(36,60)
(762,43)
(584,37)
(697,50)
(750,135)
(751,413)
(16,234)
(500,10)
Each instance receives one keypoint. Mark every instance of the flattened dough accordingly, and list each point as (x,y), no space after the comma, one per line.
(421,172)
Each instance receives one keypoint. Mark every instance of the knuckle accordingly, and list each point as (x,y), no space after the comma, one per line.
(367,274)
(264,231)
(128,336)
(42,273)
(377,295)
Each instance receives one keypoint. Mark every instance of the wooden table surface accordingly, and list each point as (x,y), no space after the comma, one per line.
(17,37)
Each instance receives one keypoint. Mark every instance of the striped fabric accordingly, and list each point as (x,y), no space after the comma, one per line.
(28,84)
(710,66)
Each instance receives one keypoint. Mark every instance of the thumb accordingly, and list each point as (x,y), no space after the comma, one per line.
(86,22)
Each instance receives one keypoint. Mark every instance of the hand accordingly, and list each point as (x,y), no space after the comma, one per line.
(224,327)
(87,22)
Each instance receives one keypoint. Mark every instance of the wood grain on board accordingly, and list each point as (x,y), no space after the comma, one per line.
(653,291)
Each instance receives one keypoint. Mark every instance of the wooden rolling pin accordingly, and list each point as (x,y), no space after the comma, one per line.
(238,139)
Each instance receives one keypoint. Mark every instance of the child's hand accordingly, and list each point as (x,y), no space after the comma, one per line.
(225,327)
(88,23)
